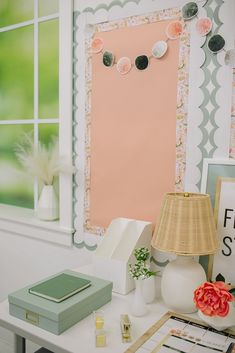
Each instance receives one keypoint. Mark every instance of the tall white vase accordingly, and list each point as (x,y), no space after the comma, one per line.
(149,289)
(48,207)
(138,306)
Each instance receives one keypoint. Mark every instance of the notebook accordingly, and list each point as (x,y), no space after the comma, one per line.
(60,287)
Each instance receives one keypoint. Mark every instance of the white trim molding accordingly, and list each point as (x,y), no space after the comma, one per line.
(22,221)
(65,106)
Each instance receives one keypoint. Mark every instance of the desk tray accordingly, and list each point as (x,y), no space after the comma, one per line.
(58,317)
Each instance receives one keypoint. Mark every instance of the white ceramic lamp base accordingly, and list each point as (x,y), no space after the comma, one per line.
(179,280)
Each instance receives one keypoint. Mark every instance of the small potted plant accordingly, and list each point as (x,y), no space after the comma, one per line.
(44,163)
(214,303)
(140,271)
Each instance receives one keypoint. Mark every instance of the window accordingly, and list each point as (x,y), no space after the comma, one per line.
(35,92)
(29,88)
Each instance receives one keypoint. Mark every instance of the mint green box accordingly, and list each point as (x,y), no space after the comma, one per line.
(58,317)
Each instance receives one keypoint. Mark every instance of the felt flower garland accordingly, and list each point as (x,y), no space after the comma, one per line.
(124,64)
(173,31)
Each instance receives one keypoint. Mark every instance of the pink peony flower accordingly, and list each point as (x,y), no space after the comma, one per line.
(213,298)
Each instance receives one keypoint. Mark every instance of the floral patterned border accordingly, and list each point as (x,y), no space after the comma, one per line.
(232,134)
(182,98)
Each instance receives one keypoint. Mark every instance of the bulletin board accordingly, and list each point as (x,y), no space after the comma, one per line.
(135,123)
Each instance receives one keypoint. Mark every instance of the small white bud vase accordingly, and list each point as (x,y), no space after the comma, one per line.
(138,306)
(48,208)
(220,323)
(149,289)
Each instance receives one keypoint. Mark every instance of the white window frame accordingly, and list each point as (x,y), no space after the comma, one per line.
(23,221)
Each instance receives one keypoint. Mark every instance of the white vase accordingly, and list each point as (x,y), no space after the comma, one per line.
(149,289)
(138,306)
(220,323)
(48,208)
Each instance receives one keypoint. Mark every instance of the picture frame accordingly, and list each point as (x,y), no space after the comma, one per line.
(217,172)
(224,260)
(212,169)
(162,336)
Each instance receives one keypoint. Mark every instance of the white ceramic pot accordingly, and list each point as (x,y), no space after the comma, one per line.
(217,322)
(149,289)
(138,306)
(48,208)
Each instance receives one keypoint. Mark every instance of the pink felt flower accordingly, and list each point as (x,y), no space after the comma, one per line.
(213,298)
(204,26)
(124,65)
(174,29)
(97,45)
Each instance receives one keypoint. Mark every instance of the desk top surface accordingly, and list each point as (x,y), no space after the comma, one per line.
(81,337)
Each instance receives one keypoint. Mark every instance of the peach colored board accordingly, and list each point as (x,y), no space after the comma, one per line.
(133,127)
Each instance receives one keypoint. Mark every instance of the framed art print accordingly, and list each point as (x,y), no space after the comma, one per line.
(224,260)
(213,168)
(218,180)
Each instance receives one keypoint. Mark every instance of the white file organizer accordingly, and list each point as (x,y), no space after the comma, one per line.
(115,252)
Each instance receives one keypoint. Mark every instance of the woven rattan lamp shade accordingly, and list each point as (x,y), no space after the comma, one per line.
(186,225)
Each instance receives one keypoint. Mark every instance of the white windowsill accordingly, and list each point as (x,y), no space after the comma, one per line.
(22,221)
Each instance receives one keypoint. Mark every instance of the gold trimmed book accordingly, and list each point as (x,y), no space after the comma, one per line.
(60,287)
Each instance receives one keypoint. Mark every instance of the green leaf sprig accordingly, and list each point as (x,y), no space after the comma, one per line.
(140,269)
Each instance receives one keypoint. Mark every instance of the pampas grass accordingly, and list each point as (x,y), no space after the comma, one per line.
(41,161)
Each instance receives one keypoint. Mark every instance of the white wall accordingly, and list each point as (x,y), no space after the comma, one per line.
(24,261)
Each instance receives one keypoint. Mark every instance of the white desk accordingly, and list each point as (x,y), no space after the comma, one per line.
(80,337)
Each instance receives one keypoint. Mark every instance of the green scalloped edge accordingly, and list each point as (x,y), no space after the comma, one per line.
(74,123)
(209,97)
(109,6)
(83,244)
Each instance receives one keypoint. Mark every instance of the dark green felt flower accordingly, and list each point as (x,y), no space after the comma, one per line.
(189,10)
(141,62)
(108,59)
(216,43)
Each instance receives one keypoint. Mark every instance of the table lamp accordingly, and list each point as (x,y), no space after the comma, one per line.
(186,227)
